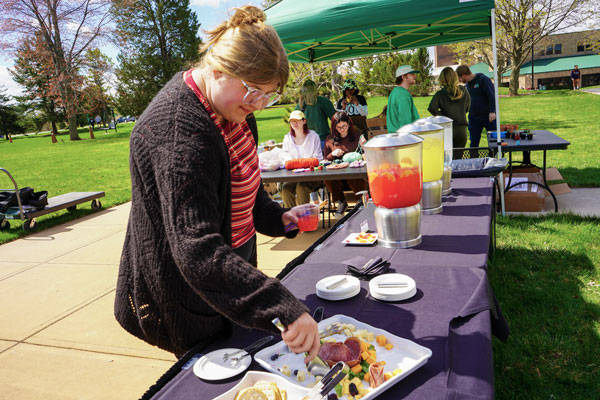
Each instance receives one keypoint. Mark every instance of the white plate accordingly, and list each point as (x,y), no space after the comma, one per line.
(293,391)
(350,288)
(354,239)
(392,293)
(211,366)
(405,355)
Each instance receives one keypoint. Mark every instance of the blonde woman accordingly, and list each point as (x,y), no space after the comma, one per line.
(452,101)
(197,201)
(318,109)
(300,142)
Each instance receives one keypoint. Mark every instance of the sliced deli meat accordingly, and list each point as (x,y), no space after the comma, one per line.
(377,376)
(348,352)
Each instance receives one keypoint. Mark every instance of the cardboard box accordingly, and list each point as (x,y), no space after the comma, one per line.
(526,197)
(556,182)
(376,126)
(552,175)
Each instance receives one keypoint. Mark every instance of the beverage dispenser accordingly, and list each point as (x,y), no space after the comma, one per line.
(446,123)
(433,163)
(394,166)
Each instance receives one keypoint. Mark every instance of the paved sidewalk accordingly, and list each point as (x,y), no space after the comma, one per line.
(58,336)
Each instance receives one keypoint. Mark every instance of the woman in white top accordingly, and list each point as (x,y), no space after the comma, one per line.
(300,142)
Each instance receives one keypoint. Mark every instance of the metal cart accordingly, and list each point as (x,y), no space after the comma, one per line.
(29,214)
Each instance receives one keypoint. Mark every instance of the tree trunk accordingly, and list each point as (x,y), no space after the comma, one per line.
(54,132)
(513,87)
(73,135)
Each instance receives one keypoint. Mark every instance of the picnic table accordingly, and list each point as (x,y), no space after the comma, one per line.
(542,141)
(454,312)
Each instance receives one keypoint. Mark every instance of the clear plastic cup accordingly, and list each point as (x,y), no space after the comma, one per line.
(308,217)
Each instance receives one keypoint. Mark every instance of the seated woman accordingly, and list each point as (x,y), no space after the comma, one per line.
(344,138)
(300,142)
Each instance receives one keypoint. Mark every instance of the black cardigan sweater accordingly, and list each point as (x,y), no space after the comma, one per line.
(180,284)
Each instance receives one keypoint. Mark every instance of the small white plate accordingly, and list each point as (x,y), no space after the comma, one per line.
(293,391)
(392,293)
(337,287)
(211,366)
(360,239)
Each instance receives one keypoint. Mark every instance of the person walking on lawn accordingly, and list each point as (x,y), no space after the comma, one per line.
(482,112)
(401,109)
(576,77)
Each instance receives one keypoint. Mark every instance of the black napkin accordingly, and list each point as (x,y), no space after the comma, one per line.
(365,269)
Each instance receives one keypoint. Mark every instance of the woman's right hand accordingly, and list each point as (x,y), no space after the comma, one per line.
(338,153)
(303,335)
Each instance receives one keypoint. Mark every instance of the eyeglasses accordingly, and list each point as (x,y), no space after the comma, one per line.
(254,95)
(342,126)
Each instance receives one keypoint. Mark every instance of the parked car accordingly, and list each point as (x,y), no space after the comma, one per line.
(120,120)
(130,119)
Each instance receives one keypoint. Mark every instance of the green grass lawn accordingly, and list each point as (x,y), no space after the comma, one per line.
(546,272)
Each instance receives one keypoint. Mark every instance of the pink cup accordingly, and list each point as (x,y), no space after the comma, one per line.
(308,216)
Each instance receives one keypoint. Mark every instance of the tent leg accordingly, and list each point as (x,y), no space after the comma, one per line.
(496,84)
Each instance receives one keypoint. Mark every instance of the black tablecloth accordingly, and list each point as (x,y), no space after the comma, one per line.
(450,314)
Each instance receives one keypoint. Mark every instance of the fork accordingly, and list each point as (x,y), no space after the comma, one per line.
(331,330)
(254,346)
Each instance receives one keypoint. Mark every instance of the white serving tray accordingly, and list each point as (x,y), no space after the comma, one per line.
(251,377)
(405,355)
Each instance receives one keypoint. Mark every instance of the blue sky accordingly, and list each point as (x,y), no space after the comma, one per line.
(210,13)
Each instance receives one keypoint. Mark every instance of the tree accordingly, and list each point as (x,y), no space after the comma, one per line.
(470,53)
(384,70)
(9,118)
(157,38)
(95,95)
(521,24)
(420,61)
(68,28)
(34,70)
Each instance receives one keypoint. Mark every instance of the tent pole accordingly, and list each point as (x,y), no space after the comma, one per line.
(496,84)
(312,71)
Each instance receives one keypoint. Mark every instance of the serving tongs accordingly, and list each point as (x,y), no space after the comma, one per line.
(328,382)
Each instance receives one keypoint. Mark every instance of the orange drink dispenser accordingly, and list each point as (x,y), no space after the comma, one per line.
(433,163)
(446,123)
(394,166)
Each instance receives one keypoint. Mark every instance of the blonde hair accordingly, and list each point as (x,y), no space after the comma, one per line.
(247,48)
(308,94)
(449,80)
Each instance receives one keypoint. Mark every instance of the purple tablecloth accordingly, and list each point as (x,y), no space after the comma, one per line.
(450,314)
(459,236)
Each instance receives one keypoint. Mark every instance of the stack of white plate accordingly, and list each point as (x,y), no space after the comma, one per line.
(338,287)
(392,287)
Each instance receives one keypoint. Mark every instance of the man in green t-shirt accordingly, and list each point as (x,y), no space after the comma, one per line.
(401,108)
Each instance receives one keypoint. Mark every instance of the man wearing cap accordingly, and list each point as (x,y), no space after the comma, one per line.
(482,112)
(401,108)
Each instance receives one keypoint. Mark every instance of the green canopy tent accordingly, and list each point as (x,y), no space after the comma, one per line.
(317,31)
(339,29)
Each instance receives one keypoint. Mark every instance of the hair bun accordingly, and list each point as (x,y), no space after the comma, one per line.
(246,15)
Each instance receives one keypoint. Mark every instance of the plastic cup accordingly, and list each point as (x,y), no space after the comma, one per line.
(308,217)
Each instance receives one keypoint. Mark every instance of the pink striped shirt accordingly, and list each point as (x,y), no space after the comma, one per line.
(245,174)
